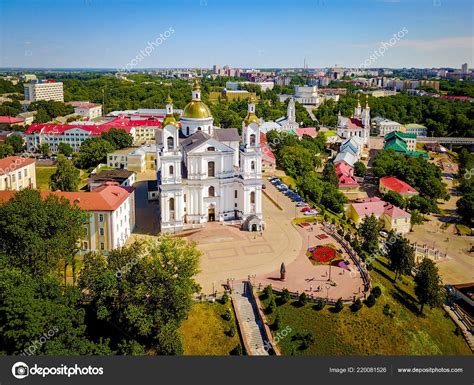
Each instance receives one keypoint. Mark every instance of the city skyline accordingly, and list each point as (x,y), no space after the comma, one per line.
(200,33)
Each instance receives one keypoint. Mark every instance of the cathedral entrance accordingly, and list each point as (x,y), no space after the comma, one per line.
(211,214)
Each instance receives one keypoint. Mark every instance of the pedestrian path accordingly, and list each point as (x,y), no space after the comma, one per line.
(250,325)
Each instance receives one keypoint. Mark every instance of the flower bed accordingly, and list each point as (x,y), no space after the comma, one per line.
(324,254)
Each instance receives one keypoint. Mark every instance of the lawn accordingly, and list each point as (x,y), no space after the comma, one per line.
(369,331)
(205,332)
(43,174)
(289,181)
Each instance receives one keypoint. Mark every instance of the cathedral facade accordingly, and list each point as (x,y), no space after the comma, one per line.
(356,126)
(206,173)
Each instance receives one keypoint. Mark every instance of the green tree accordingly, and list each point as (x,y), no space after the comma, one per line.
(145,289)
(332,198)
(16,142)
(339,305)
(34,307)
(5,150)
(296,161)
(360,169)
(428,286)
(93,151)
(422,205)
(465,206)
(369,232)
(65,149)
(44,149)
(394,198)
(66,177)
(37,233)
(401,255)
(118,138)
(329,174)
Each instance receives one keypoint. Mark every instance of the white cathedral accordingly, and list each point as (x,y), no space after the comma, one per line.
(356,126)
(205,173)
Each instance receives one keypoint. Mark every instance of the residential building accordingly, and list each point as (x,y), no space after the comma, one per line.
(197,177)
(391,217)
(111,212)
(134,159)
(27,117)
(387,126)
(416,129)
(44,90)
(390,183)
(17,173)
(345,174)
(464,69)
(10,120)
(119,177)
(86,109)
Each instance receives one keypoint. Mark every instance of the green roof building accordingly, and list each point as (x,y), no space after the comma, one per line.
(403,143)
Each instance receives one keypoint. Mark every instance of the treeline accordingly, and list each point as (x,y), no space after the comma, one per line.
(442,117)
(130,302)
(299,159)
(465,204)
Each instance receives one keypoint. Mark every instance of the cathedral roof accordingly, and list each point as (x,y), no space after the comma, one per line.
(195,140)
(196,110)
(227,135)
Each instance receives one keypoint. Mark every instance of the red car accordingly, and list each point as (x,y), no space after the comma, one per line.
(304,209)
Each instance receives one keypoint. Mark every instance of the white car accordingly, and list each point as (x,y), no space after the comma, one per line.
(310,212)
(301,204)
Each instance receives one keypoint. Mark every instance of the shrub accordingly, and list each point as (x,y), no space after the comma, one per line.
(306,340)
(227,315)
(268,291)
(357,305)
(237,351)
(376,291)
(285,295)
(225,298)
(457,331)
(339,305)
(271,306)
(277,322)
(303,299)
(231,332)
(340,232)
(370,301)
(320,304)
(386,309)
(347,237)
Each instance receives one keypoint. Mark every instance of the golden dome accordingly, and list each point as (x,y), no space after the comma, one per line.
(251,118)
(169,119)
(196,110)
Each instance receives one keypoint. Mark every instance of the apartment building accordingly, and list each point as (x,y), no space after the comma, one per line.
(17,173)
(44,90)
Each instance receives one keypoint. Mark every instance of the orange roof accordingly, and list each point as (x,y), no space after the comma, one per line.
(12,163)
(104,198)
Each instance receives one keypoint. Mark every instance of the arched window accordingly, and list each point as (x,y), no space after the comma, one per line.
(252,140)
(170,142)
(211,191)
(252,197)
(171,208)
(211,149)
(199,128)
(252,165)
(171,170)
(211,169)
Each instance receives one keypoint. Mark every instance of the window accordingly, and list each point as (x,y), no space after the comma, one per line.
(171,208)
(26,172)
(102,246)
(170,142)
(235,194)
(211,169)
(184,198)
(211,191)
(252,165)
(187,130)
(252,197)
(211,149)
(85,245)
(252,140)
(101,217)
(199,128)
(171,170)
(101,231)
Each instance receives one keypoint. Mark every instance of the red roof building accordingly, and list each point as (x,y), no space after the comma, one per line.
(390,183)
(10,120)
(345,174)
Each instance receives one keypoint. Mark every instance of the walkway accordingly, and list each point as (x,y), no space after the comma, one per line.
(250,325)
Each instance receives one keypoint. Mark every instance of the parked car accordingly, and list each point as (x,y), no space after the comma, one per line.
(301,204)
(383,234)
(311,212)
(305,209)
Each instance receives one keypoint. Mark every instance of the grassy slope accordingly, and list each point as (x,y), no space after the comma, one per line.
(205,331)
(369,331)
(43,174)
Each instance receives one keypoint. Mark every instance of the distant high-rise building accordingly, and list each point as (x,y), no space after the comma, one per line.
(464,68)
(44,90)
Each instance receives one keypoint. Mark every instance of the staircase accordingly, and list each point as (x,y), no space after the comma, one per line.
(250,325)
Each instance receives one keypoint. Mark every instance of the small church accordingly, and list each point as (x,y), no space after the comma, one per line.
(356,126)
(206,173)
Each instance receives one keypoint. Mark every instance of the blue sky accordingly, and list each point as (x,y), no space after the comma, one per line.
(243,33)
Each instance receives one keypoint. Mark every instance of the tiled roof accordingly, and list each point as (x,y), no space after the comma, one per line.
(376,206)
(12,163)
(227,134)
(105,198)
(397,185)
(310,131)
(10,120)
